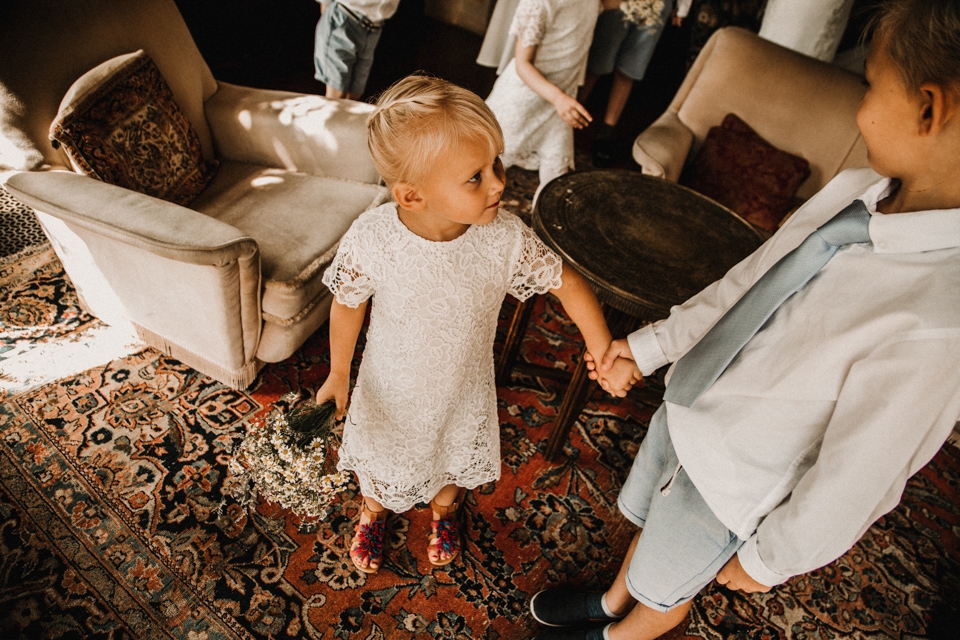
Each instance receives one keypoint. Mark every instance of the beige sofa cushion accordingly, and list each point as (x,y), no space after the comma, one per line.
(297,220)
(120,123)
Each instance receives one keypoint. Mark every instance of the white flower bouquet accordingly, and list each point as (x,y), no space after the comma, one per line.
(286,461)
(642,12)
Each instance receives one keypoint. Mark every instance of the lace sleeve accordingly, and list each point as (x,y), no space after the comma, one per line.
(530,22)
(537,270)
(345,277)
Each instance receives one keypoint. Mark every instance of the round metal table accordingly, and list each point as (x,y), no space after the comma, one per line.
(643,243)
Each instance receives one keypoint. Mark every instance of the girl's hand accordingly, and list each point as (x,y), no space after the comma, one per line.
(337,387)
(572,112)
(621,377)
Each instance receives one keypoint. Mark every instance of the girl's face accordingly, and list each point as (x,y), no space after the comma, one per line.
(888,114)
(462,188)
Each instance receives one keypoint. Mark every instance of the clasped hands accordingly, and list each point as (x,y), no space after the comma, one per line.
(617,372)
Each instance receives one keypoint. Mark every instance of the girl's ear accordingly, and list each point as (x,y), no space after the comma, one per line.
(408,196)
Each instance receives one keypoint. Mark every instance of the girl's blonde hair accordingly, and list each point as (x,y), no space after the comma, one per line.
(922,37)
(420,116)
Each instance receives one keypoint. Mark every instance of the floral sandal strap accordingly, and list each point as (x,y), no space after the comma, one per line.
(446,534)
(369,540)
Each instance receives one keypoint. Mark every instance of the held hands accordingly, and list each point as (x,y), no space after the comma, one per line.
(336,386)
(618,372)
(572,112)
(733,576)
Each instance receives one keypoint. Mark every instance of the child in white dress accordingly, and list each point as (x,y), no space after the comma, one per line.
(534,97)
(437,263)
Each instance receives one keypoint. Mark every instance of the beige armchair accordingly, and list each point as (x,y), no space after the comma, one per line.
(232,280)
(798,104)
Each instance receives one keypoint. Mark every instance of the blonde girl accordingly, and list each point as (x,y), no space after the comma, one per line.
(434,266)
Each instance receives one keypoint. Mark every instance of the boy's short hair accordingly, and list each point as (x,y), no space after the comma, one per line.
(922,37)
(420,116)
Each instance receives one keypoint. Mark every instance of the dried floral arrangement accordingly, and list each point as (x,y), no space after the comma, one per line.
(286,460)
(642,12)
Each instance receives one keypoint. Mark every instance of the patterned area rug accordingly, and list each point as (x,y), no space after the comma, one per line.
(111,526)
(45,334)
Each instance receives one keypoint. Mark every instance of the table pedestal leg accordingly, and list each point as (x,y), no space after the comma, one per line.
(581,386)
(511,344)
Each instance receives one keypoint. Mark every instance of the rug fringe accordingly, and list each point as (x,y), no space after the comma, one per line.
(954,437)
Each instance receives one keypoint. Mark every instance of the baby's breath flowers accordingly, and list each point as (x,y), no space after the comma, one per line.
(642,12)
(281,462)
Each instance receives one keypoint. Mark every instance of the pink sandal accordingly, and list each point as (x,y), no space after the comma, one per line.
(367,543)
(446,534)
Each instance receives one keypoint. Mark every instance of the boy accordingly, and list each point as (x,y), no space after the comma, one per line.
(347,35)
(810,433)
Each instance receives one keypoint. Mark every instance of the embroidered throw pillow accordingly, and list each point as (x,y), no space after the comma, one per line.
(745,173)
(120,123)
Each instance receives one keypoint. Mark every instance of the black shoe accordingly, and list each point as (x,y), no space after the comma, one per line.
(603,153)
(566,606)
(572,634)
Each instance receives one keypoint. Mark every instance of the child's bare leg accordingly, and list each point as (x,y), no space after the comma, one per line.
(370,510)
(644,623)
(446,497)
(641,622)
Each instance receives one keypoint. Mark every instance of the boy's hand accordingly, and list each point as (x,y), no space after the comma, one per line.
(620,378)
(732,576)
(572,112)
(337,387)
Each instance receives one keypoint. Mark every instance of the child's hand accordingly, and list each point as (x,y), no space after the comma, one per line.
(572,112)
(621,377)
(337,387)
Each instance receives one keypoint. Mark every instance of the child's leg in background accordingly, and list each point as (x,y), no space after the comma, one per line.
(343,52)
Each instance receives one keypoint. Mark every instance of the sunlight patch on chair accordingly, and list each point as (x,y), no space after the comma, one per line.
(261,182)
(245,118)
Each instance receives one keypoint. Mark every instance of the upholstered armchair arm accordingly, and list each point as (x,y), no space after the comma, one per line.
(661,149)
(300,132)
(189,283)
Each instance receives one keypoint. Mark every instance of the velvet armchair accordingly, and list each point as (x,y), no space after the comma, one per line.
(229,277)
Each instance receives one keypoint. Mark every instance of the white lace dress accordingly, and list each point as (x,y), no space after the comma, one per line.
(423,413)
(535,136)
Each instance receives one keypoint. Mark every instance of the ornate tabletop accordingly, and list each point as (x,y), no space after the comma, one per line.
(643,243)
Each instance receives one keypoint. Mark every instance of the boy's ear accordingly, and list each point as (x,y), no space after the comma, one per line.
(937,107)
(408,196)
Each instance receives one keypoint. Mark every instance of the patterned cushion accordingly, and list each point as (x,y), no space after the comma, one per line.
(120,123)
(745,173)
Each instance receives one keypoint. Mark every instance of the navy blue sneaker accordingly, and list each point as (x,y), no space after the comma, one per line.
(565,607)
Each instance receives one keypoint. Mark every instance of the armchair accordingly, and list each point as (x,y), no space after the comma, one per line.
(232,280)
(796,103)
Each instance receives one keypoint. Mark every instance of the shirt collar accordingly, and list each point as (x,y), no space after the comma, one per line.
(912,232)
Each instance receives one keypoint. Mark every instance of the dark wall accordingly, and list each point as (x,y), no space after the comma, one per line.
(269,43)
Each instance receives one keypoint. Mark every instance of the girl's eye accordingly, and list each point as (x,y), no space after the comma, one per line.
(475,178)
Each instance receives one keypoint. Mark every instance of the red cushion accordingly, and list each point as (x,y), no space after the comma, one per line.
(745,173)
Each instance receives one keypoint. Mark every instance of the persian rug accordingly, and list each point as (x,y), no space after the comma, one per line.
(113,523)
(44,334)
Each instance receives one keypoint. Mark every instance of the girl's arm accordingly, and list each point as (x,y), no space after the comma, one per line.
(581,305)
(572,112)
(345,324)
